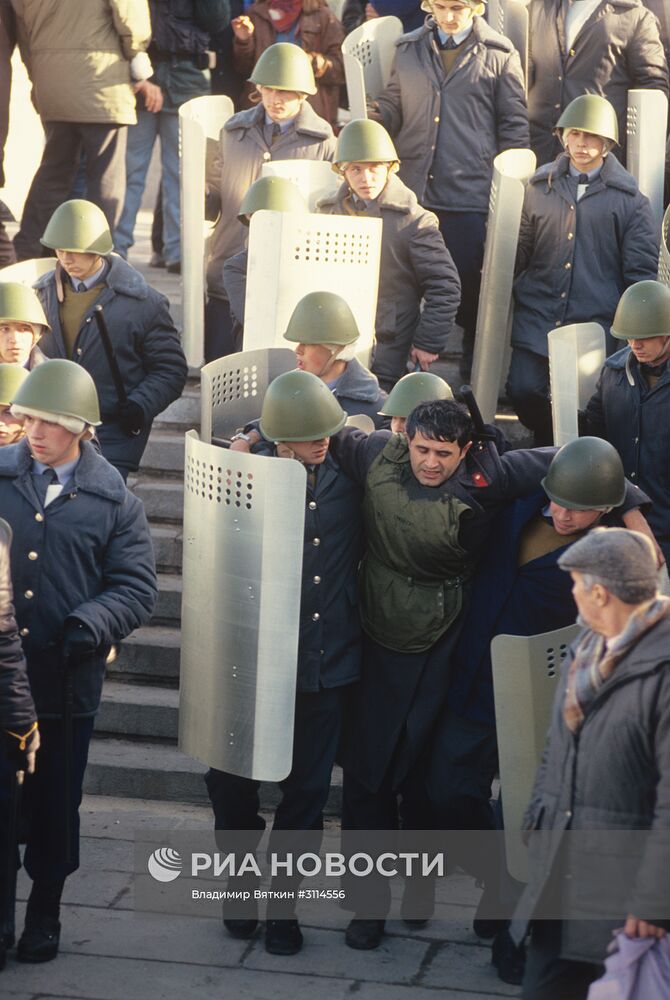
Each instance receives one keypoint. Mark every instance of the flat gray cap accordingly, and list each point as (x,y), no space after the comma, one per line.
(613,554)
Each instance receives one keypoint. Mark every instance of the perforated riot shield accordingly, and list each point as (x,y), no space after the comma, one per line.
(27,272)
(316,179)
(576,357)
(525,674)
(368,55)
(645,151)
(664,256)
(243,542)
(200,122)
(232,389)
(510,18)
(292,255)
(511,170)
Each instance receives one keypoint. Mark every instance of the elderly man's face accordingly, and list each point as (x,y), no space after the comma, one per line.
(590,610)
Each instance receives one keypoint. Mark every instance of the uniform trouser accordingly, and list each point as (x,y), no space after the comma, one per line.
(389,361)
(44,824)
(105,149)
(547,975)
(316,735)
(219,329)
(528,391)
(464,234)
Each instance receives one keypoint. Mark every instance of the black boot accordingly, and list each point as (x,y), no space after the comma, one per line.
(41,934)
(283,937)
(509,960)
(364,935)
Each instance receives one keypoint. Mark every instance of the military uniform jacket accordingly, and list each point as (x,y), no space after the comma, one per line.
(88,556)
(329,651)
(17,710)
(576,258)
(634,418)
(618,49)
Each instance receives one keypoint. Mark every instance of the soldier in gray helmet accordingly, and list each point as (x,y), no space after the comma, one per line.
(147,368)
(629,407)
(605,768)
(412,389)
(419,287)
(587,232)
(84,578)
(518,589)
(22,324)
(298,418)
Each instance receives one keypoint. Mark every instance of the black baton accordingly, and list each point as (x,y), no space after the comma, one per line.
(111,356)
(68,699)
(481,433)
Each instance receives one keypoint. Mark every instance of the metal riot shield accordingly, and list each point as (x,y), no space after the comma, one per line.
(525,674)
(511,170)
(292,255)
(664,256)
(368,56)
(316,179)
(510,18)
(361,421)
(645,156)
(27,272)
(243,543)
(200,122)
(232,389)
(576,357)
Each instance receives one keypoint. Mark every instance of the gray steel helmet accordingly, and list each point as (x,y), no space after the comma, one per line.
(365,141)
(643,312)
(591,113)
(412,389)
(20,304)
(78,226)
(274,193)
(11,378)
(62,388)
(298,406)
(586,474)
(284,66)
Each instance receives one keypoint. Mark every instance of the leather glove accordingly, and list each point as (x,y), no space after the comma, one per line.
(77,640)
(131,418)
(20,749)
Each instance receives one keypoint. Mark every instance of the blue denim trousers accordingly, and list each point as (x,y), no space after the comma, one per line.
(141,139)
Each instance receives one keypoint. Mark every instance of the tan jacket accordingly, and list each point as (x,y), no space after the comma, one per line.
(78,55)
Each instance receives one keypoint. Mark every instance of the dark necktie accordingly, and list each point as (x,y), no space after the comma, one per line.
(81,287)
(583,179)
(276,132)
(42,482)
(450,43)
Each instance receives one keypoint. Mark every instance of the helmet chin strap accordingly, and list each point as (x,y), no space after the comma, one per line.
(330,362)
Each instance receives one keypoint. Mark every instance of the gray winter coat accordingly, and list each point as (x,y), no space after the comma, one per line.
(576,258)
(17,710)
(241,154)
(415,266)
(618,49)
(473,114)
(614,776)
(88,556)
(148,352)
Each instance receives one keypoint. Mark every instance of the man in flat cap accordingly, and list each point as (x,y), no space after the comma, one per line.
(606,767)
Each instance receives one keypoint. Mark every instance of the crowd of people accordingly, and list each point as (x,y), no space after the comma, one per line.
(425,538)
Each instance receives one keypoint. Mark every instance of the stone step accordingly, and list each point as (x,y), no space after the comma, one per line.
(138,710)
(163,499)
(150,653)
(168,608)
(167,542)
(164,452)
(184,412)
(138,770)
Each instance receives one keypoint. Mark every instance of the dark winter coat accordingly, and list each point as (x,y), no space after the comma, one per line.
(614,776)
(318,31)
(483,113)
(148,352)
(415,268)
(329,652)
(617,50)
(576,258)
(17,709)
(634,419)
(242,151)
(180,39)
(88,556)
